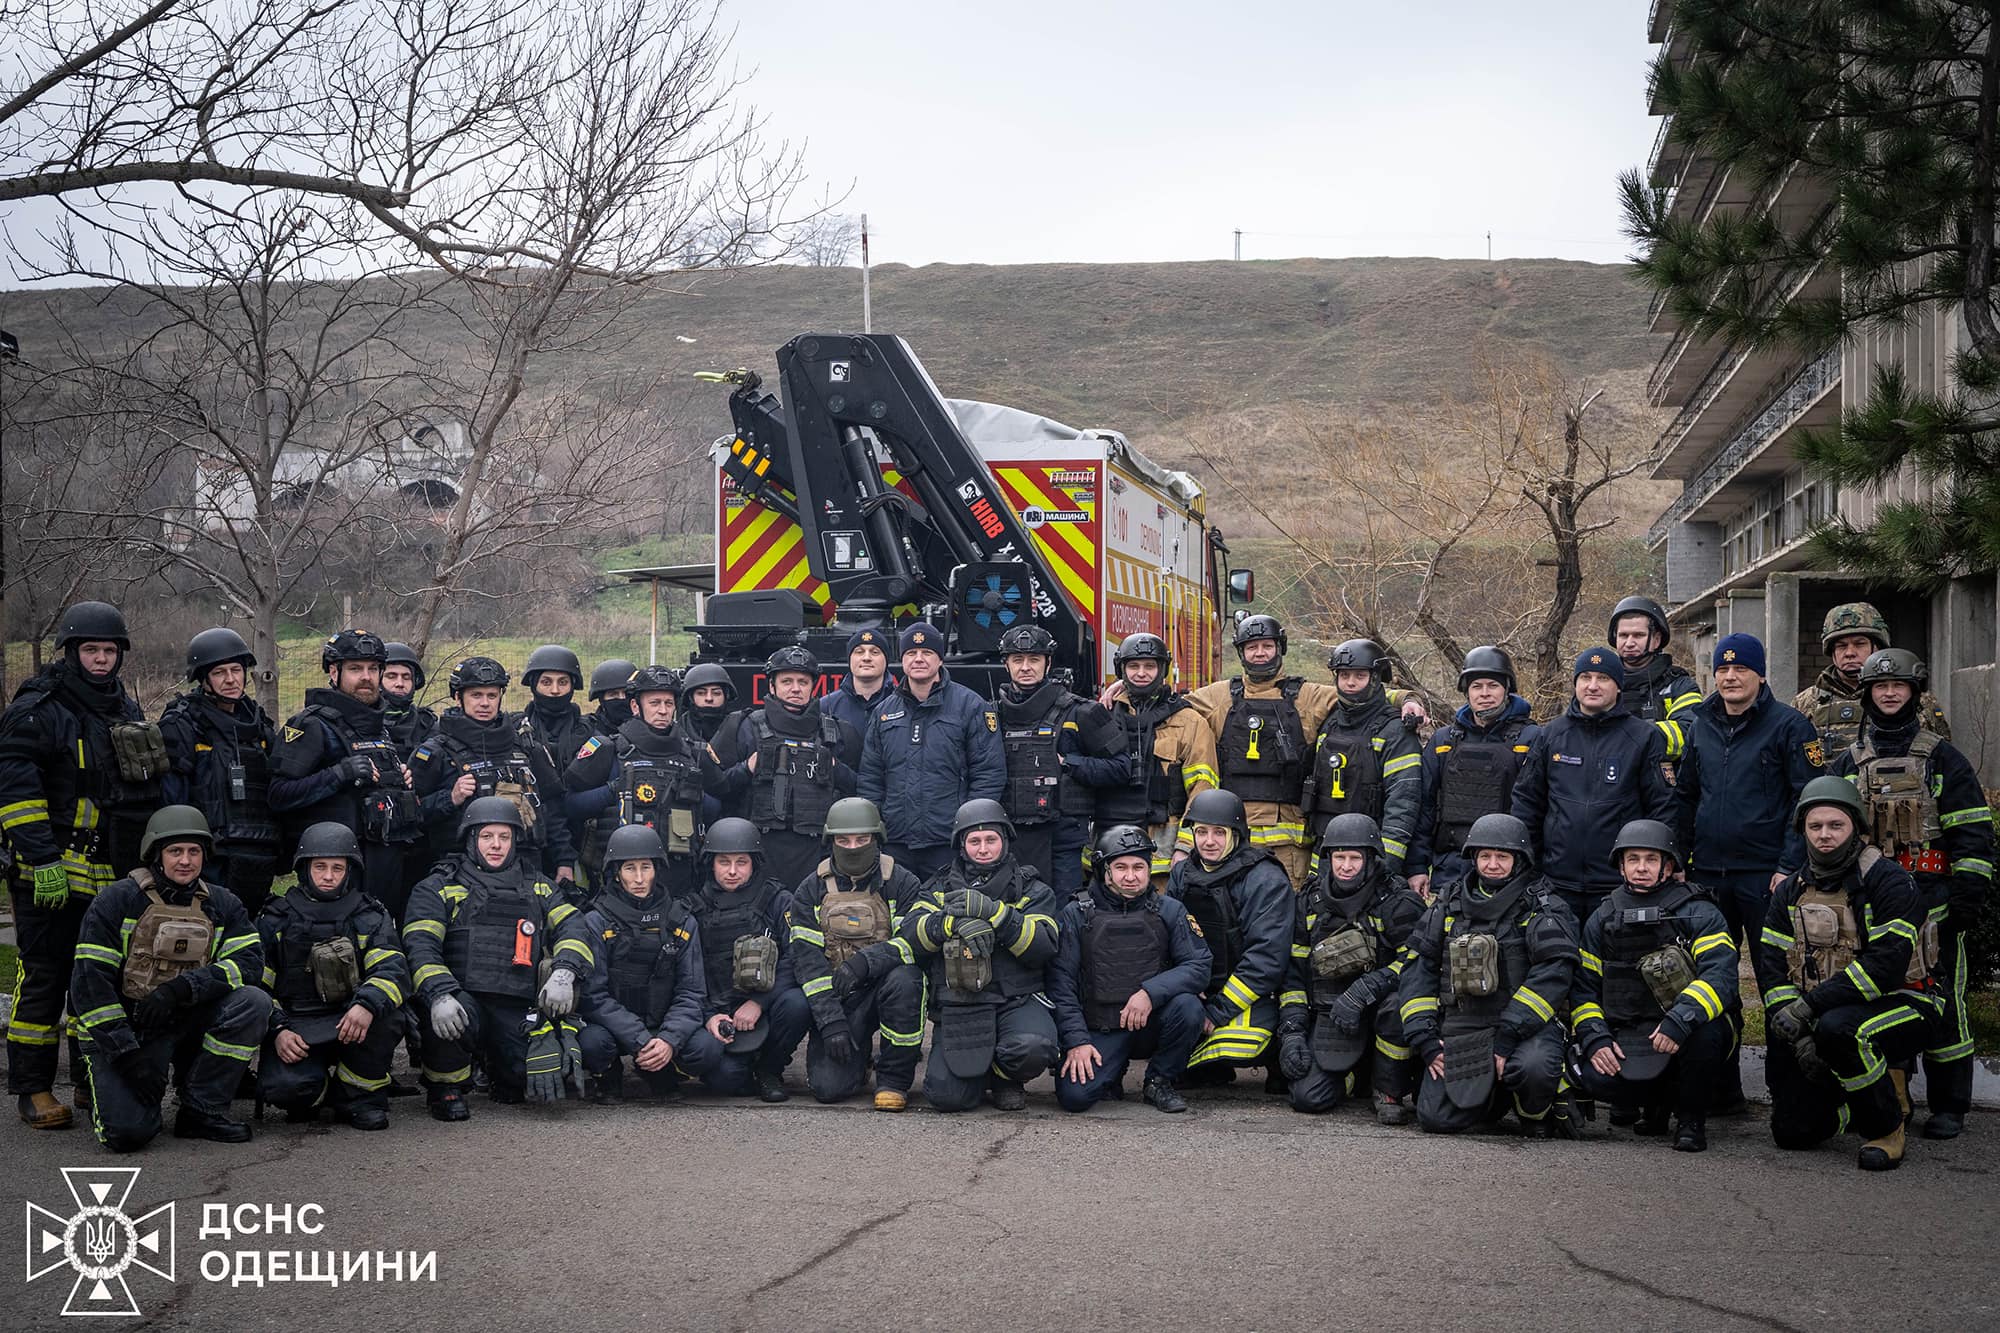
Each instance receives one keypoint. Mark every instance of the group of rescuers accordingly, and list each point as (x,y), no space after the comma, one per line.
(1509,918)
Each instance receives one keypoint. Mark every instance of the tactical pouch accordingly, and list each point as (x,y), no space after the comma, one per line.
(140,751)
(166,941)
(755,961)
(1342,955)
(1475,965)
(336,969)
(679,831)
(1819,925)
(964,970)
(967,1034)
(1924,957)
(1468,1068)
(1668,971)
(525,805)
(850,922)
(391,814)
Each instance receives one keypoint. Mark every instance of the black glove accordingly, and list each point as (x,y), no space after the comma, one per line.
(157,1010)
(976,935)
(357,770)
(1805,1053)
(849,977)
(1791,1021)
(1294,1055)
(1345,1016)
(147,1079)
(970,902)
(839,1042)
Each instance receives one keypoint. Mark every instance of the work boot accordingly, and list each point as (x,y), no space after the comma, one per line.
(1652,1122)
(367,1117)
(1209,1076)
(1899,1079)
(1623,1117)
(1944,1125)
(608,1088)
(1691,1134)
(1009,1095)
(41,1110)
(771,1086)
(888,1099)
(1391,1110)
(1160,1093)
(193,1124)
(1885,1153)
(80,1096)
(449,1106)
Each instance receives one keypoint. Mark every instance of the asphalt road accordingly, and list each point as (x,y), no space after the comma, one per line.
(1242,1215)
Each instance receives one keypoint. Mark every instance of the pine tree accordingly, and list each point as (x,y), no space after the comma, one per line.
(1895,104)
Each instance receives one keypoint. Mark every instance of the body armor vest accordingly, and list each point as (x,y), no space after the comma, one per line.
(388,813)
(1121,951)
(1342,943)
(310,930)
(725,919)
(643,949)
(1902,812)
(659,789)
(1213,908)
(232,779)
(852,919)
(1158,791)
(167,939)
(79,792)
(792,788)
(1837,717)
(502,768)
(1034,771)
(1827,936)
(1638,927)
(1347,767)
(1010,976)
(1476,779)
(1263,753)
(1490,931)
(495,941)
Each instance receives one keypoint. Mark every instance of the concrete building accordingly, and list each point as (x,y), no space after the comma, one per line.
(1734,540)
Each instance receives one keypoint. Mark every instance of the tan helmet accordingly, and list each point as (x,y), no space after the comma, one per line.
(1854,618)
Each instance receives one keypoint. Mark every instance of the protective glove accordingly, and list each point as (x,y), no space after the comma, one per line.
(51,886)
(1805,1053)
(558,994)
(1345,1016)
(976,933)
(971,902)
(572,1050)
(146,1079)
(1294,1055)
(839,1043)
(1791,1021)
(357,770)
(545,1062)
(448,1017)
(157,1010)
(849,976)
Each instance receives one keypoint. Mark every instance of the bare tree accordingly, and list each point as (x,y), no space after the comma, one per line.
(829,240)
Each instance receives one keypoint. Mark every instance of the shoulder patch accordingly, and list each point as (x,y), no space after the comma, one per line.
(992,720)
(293,733)
(1816,753)
(422,752)
(1195,926)
(590,748)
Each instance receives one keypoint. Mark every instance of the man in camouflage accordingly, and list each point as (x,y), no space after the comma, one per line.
(1851,632)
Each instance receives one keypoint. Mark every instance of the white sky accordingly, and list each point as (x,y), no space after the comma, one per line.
(1107,130)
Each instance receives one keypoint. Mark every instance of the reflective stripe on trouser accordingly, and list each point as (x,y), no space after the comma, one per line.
(1528,1087)
(213,1044)
(1024,1047)
(1859,1043)
(1948,1063)
(1388,1067)
(333,1072)
(495,1034)
(46,939)
(1242,1039)
(892,1007)
(1166,1042)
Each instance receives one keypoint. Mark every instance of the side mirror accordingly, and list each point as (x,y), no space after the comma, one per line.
(1242,585)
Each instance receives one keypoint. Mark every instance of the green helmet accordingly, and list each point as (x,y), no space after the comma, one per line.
(855,814)
(175,823)
(1829,790)
(1854,618)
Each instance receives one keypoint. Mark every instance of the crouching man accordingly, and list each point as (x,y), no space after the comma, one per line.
(646,992)
(162,957)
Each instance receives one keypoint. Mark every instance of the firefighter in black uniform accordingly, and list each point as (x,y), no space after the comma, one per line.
(219,743)
(335,762)
(480,929)
(856,972)
(1060,750)
(1849,1000)
(646,994)
(785,764)
(1240,899)
(707,696)
(80,770)
(608,680)
(1338,1017)
(334,964)
(1172,749)
(402,676)
(552,720)
(985,928)
(1126,981)
(477,751)
(1469,768)
(1486,991)
(647,772)
(1926,808)
(1657,688)
(1366,761)
(1657,978)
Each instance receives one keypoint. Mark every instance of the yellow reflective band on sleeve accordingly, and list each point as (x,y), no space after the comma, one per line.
(1393,847)
(1680,701)
(96,1018)
(1864,983)
(229,969)
(423,927)
(430,971)
(270,978)
(1778,995)
(1976,814)
(1391,1050)
(903,950)
(100,953)
(1406,762)
(236,944)
(1238,994)
(1973,865)
(1535,1002)
(1193,773)
(802,934)
(560,913)
(23,812)
(375,957)
(1775,938)
(577,947)
(1705,996)
(1423,1004)
(1895,925)
(390,990)
(1287,999)
(1300,951)
(1591,962)
(1029,925)
(1717,940)
(1588,1010)
(818,986)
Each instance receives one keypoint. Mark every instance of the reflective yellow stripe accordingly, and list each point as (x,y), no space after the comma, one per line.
(431,970)
(1286,999)
(446,1075)
(1391,1049)
(1270,834)
(1716,940)
(1423,1004)
(374,956)
(23,812)
(1591,962)
(1535,1002)
(1974,814)
(1777,939)
(1973,865)
(226,1050)
(808,935)
(1704,995)
(903,950)
(1238,994)
(388,988)
(1394,848)
(818,986)
(577,947)
(1027,935)
(1589,1010)
(423,927)
(1864,983)
(352,1079)
(99,953)
(1395,766)
(238,943)
(1778,995)
(1196,773)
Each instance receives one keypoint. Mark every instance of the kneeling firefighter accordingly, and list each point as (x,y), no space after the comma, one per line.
(499,956)
(1337,1019)
(1658,976)
(1485,995)
(646,992)
(985,926)
(162,958)
(334,964)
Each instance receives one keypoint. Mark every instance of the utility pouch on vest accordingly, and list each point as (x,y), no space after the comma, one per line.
(850,922)
(1924,957)
(239,783)
(679,831)
(391,814)
(140,750)
(755,963)
(1468,1067)
(167,940)
(1475,965)
(336,969)
(525,803)
(1343,954)
(1819,925)
(1668,971)
(965,970)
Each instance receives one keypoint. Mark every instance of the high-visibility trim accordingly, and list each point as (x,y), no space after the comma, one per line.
(100,953)
(229,969)
(430,971)
(1026,936)
(1588,1010)
(1536,1003)
(1872,1064)
(270,977)
(390,990)
(237,944)
(895,1038)
(98,1017)
(1676,738)
(1972,814)
(818,986)
(1778,995)
(1286,999)
(903,950)
(577,947)
(1973,865)
(1895,925)
(1194,773)
(1237,993)
(1272,835)
(425,926)
(1715,940)
(1705,996)
(354,1080)
(1591,962)
(1393,847)
(20,1038)
(227,1050)
(1776,938)
(23,812)
(1301,951)
(1388,1048)
(446,1075)
(803,934)
(1422,1004)
(375,956)
(1401,764)
(1864,983)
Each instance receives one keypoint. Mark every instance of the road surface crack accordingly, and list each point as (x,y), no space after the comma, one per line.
(839,1243)
(1661,1293)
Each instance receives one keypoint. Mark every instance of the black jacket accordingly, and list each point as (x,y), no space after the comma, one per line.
(1585,777)
(1739,782)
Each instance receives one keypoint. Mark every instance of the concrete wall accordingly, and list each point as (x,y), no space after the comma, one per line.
(1694,560)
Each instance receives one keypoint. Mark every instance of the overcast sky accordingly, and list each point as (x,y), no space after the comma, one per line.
(1105,130)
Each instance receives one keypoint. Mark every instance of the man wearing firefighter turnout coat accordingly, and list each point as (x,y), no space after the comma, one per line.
(1849,1000)
(648,772)
(856,971)
(1365,760)
(1487,990)
(1657,980)
(1126,980)
(334,965)
(219,745)
(1926,809)
(647,991)
(985,929)
(80,770)
(1469,767)
(1338,1016)
(1171,747)
(1657,689)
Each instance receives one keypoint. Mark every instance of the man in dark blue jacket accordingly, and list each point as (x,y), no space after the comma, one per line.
(1748,757)
(931,746)
(866,683)
(1470,764)
(1591,771)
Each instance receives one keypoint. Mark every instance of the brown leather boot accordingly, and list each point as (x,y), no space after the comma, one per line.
(41,1110)
(1886,1153)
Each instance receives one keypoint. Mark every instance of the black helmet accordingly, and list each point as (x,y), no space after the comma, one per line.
(1895,664)
(553,657)
(93,622)
(351,645)
(611,674)
(1640,606)
(1028,639)
(326,839)
(1644,835)
(634,842)
(854,814)
(791,658)
(1134,647)
(653,679)
(483,810)
(214,647)
(173,823)
(1360,655)
(709,673)
(1260,627)
(732,835)
(1220,808)
(1486,660)
(1830,790)
(401,654)
(476,671)
(1121,840)
(1352,832)
(1500,833)
(979,812)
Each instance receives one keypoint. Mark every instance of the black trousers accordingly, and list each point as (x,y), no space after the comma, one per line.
(497,1034)
(46,938)
(210,1045)
(1948,1061)
(894,1006)
(1389,1066)
(1528,1088)
(332,1072)
(1024,1048)
(1685,1085)
(1859,1044)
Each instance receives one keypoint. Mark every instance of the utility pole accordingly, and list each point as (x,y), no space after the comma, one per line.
(1239,243)
(1489,247)
(10,350)
(867,310)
